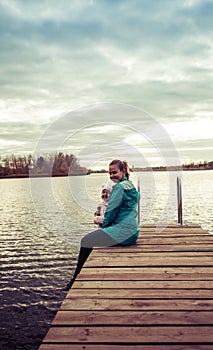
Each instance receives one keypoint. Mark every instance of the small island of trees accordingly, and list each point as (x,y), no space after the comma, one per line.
(59,164)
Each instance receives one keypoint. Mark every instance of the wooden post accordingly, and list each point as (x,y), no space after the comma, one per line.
(139,203)
(179,201)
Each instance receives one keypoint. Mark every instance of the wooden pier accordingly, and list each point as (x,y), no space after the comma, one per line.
(155,295)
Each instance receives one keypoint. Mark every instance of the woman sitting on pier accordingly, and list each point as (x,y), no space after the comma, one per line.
(120,221)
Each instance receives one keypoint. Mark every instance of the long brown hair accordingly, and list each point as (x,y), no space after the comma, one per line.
(122,166)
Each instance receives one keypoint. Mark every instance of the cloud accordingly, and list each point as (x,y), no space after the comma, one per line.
(59,55)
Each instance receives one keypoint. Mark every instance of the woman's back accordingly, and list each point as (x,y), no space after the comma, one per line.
(120,220)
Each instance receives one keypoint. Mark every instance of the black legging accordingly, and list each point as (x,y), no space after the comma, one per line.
(93,239)
(97,238)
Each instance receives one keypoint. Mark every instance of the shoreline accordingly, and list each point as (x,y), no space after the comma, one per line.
(23,176)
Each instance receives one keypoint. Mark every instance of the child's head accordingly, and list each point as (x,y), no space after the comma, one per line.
(106,191)
(105,194)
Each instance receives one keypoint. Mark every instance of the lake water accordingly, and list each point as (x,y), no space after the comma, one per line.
(41,224)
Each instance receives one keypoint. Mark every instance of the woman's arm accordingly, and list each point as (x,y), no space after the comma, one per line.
(113,206)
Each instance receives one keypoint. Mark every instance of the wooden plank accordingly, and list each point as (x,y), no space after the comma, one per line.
(178,230)
(103,254)
(170,226)
(199,284)
(160,248)
(125,334)
(174,231)
(141,260)
(174,318)
(177,236)
(188,224)
(176,240)
(173,234)
(77,303)
(147,273)
(99,346)
(142,293)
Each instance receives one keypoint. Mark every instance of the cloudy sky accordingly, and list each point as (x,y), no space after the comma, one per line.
(127,66)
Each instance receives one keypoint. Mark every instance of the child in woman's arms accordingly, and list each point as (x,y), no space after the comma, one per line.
(101,208)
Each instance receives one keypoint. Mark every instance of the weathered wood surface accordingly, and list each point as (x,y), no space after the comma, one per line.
(124,347)
(155,295)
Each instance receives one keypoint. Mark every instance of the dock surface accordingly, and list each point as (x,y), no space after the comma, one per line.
(154,295)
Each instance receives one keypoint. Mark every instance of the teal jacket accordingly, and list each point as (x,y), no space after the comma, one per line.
(120,219)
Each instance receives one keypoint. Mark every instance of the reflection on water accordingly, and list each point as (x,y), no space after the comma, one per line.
(35,265)
(197,199)
(39,245)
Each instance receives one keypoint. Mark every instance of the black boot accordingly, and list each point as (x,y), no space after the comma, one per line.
(83,255)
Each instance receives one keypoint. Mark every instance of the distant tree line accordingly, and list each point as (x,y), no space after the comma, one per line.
(50,165)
